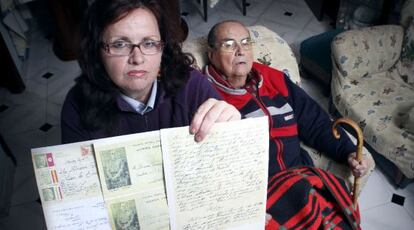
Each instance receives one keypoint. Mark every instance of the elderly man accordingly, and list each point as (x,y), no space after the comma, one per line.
(257,90)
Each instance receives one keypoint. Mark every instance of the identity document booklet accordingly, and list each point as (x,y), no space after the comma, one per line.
(158,180)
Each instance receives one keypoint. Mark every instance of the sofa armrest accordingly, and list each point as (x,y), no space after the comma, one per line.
(367,51)
(198,48)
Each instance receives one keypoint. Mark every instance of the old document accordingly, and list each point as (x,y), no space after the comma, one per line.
(131,174)
(221,182)
(69,187)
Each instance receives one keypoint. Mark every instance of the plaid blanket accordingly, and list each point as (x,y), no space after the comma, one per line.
(310,198)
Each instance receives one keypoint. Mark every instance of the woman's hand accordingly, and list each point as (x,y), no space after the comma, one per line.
(359,169)
(268,218)
(210,112)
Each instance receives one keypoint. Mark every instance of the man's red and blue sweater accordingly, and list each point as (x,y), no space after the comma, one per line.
(293,117)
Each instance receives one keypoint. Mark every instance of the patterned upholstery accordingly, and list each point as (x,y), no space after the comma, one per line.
(368,86)
(269,48)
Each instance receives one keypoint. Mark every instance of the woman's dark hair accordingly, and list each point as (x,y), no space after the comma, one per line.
(98,107)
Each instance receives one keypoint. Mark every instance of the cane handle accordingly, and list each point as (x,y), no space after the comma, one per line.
(360,143)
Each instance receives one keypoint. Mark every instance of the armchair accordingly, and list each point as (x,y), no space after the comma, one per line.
(368,85)
(269,48)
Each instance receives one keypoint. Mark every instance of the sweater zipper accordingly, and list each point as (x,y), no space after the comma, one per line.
(279,143)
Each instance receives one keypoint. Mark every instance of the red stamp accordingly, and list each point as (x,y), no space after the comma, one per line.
(49,159)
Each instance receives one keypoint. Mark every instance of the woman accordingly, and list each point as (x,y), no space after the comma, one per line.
(136,77)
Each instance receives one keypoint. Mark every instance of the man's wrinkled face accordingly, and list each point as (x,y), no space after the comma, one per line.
(232,54)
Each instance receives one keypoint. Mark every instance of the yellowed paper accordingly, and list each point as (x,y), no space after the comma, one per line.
(69,187)
(131,175)
(221,182)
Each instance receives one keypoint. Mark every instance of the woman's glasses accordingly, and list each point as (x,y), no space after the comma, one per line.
(123,48)
(230,45)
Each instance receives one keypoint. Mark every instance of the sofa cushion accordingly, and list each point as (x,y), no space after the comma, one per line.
(368,50)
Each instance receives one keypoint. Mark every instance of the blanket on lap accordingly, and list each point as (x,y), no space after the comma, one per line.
(310,198)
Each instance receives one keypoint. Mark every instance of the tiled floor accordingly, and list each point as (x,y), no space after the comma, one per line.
(31,119)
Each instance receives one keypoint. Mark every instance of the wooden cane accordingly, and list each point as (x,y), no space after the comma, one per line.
(358,152)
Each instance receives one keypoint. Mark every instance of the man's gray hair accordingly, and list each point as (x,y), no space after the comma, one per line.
(211,37)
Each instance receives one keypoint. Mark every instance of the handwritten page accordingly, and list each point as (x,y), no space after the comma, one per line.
(69,187)
(132,179)
(221,182)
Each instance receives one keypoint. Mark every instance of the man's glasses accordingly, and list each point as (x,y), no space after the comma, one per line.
(230,45)
(122,48)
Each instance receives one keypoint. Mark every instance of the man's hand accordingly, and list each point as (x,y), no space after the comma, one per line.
(210,112)
(358,169)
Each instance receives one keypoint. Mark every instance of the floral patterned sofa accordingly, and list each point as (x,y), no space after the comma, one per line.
(373,83)
(270,49)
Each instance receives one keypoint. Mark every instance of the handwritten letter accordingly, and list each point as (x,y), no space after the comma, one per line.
(221,182)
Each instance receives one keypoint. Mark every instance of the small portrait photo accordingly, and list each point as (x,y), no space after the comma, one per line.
(125,216)
(115,167)
(48,194)
(40,161)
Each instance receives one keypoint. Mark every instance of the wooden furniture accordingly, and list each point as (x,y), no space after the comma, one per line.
(244,3)
(11,78)
(68,16)
(7,170)
(322,7)
(173,10)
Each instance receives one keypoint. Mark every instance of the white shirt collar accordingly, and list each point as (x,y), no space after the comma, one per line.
(140,107)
